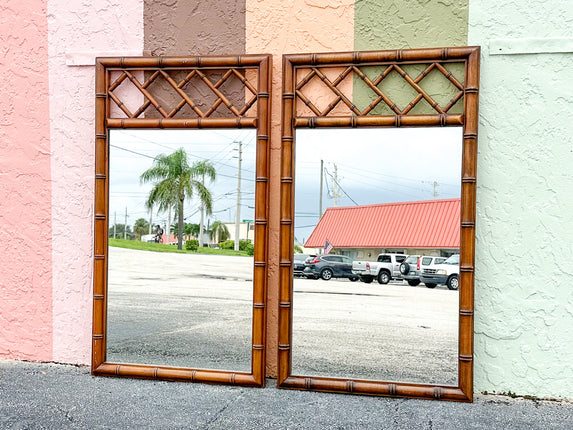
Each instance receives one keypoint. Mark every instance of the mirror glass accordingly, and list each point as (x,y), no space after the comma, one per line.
(190,307)
(368,185)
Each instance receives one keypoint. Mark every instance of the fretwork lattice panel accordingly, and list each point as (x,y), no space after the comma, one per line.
(393,89)
(194,93)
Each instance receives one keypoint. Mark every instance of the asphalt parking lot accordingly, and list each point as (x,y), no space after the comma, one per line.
(52,396)
(195,311)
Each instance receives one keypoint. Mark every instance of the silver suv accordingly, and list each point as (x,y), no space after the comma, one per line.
(411,268)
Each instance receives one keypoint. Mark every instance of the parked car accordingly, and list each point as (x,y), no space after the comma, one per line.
(385,268)
(412,267)
(330,266)
(298,263)
(446,273)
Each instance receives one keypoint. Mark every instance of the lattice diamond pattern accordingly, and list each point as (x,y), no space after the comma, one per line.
(378,95)
(183,92)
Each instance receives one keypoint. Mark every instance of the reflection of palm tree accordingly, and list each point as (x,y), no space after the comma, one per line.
(219,231)
(174,180)
(204,168)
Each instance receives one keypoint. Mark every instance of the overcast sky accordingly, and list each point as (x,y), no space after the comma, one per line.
(372,166)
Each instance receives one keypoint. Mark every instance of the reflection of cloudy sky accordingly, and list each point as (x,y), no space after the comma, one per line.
(132,152)
(374,166)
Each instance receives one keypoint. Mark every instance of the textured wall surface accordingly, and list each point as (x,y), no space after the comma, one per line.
(25,227)
(401,24)
(78,32)
(524,251)
(191,27)
(286,27)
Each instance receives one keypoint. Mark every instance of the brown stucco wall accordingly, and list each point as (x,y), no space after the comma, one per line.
(194,27)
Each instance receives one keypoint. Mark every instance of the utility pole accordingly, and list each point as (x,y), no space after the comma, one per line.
(202,217)
(321,179)
(335,186)
(238,211)
(435,190)
(168,227)
(150,219)
(114,224)
(125,226)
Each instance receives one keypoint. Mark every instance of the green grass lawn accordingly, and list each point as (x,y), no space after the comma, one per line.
(159,247)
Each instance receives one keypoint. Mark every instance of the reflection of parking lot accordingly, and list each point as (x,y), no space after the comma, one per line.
(195,311)
(387,332)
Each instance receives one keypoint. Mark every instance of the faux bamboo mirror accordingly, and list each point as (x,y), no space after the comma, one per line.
(379,166)
(181,178)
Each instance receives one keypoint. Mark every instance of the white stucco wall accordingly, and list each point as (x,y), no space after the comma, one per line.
(524,248)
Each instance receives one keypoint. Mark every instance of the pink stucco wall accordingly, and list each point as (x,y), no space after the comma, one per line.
(280,27)
(25,227)
(79,31)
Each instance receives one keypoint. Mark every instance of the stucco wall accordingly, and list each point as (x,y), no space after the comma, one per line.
(78,32)
(524,294)
(25,226)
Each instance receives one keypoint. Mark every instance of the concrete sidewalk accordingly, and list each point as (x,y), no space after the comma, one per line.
(38,396)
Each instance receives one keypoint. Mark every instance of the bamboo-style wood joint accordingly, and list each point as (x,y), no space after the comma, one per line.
(466,358)
(285,304)
(469,180)
(437,393)
(466,312)
(468,224)
(99,257)
(466,268)
(284,347)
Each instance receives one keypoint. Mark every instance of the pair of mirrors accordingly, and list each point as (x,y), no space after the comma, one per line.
(349,140)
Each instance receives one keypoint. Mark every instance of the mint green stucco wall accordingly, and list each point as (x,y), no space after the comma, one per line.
(524,248)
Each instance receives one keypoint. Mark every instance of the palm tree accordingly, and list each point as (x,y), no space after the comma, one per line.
(219,231)
(174,180)
(140,227)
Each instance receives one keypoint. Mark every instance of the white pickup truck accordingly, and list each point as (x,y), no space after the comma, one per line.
(385,268)
(446,273)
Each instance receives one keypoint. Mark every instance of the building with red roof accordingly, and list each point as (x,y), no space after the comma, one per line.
(429,227)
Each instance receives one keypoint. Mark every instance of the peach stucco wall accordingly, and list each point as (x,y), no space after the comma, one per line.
(25,228)
(280,27)
(79,31)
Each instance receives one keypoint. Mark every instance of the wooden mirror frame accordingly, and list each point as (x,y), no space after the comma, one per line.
(392,60)
(257,100)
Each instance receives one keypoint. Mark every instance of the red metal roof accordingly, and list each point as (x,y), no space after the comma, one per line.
(423,224)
